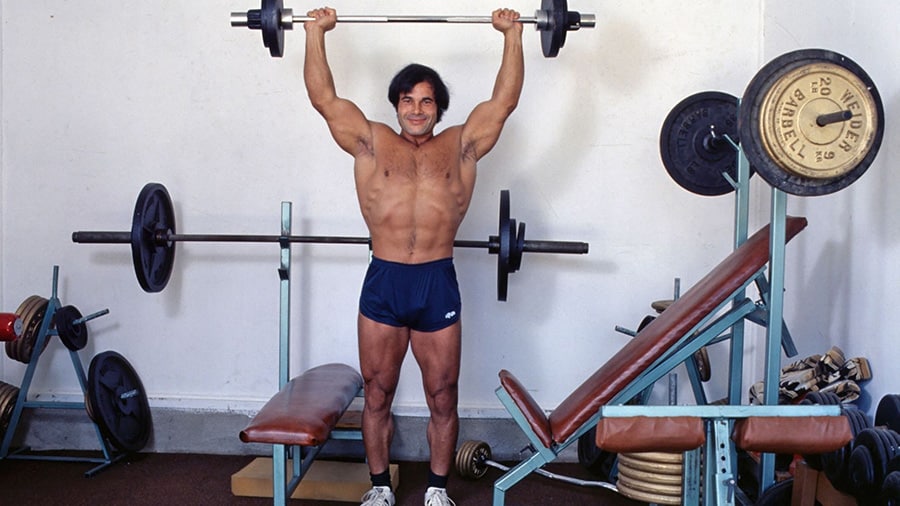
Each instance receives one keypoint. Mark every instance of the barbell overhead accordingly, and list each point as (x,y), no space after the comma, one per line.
(153,237)
(553,20)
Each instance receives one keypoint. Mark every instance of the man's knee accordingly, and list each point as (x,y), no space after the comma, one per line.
(444,400)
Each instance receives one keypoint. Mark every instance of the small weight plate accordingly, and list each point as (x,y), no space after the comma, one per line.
(780,129)
(73,336)
(118,402)
(470,459)
(693,144)
(153,214)
(888,412)
(890,489)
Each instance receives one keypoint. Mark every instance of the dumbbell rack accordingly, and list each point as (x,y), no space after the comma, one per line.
(46,332)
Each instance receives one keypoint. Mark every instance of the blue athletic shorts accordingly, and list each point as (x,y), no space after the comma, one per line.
(423,297)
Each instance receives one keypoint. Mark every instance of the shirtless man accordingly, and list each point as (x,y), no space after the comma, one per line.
(414,189)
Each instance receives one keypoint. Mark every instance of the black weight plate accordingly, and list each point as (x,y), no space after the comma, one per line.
(517,248)
(118,402)
(779,494)
(866,464)
(272,32)
(73,336)
(890,490)
(553,36)
(861,473)
(597,461)
(647,320)
(749,123)
(819,461)
(506,229)
(694,157)
(153,214)
(888,412)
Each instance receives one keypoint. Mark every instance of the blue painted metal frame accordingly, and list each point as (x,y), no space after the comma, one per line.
(45,332)
(720,480)
(728,326)
(301,457)
(700,335)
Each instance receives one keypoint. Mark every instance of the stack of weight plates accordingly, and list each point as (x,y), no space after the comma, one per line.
(8,396)
(31,311)
(653,477)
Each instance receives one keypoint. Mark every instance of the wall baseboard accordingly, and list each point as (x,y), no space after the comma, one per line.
(216,433)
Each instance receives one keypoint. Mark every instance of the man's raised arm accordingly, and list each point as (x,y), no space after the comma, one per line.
(484,124)
(348,125)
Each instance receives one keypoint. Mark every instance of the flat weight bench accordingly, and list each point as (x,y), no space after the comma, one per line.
(689,323)
(303,415)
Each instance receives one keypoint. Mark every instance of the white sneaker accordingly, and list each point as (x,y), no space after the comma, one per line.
(437,497)
(378,496)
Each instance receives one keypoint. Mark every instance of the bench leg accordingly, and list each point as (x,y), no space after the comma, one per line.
(279,494)
(515,475)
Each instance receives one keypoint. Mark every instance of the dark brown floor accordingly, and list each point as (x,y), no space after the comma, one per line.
(182,479)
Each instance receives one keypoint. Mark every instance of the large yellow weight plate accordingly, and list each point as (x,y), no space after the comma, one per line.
(811,122)
(802,126)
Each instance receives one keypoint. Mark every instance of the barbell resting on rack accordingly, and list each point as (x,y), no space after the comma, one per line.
(153,237)
(553,20)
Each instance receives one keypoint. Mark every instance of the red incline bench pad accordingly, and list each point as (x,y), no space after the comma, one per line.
(650,344)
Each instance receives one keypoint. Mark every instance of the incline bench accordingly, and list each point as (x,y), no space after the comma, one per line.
(303,415)
(691,322)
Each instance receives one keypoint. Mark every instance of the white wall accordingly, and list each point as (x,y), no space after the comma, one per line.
(843,277)
(98,101)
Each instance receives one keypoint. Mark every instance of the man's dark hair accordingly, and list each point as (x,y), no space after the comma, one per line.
(413,74)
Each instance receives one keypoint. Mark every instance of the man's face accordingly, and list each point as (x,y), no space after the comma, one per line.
(417,111)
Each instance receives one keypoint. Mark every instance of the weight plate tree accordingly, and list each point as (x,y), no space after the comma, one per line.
(694,146)
(811,122)
(152,239)
(554,20)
